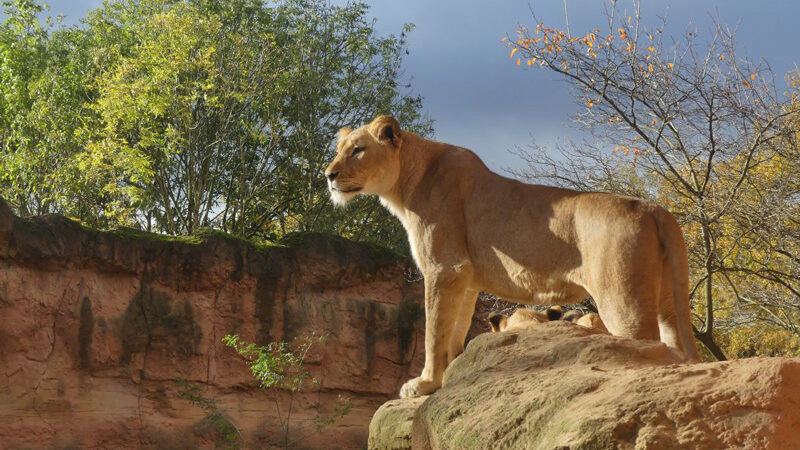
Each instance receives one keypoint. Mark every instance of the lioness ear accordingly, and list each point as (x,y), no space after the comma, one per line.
(554,312)
(343,132)
(495,320)
(386,129)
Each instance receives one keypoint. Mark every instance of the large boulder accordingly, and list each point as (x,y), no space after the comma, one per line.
(560,386)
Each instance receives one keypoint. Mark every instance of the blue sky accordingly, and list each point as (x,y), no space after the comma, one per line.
(480,100)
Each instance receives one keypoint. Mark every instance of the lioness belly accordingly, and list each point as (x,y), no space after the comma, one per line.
(503,276)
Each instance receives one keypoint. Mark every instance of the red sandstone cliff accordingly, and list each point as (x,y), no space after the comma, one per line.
(95,327)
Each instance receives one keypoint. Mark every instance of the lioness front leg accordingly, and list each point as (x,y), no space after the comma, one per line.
(442,297)
(466,309)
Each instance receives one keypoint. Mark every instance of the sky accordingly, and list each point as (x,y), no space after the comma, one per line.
(480,100)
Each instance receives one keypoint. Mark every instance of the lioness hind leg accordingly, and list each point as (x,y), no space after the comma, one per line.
(463,322)
(628,316)
(624,278)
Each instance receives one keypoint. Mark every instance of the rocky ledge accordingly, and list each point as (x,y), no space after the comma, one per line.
(560,386)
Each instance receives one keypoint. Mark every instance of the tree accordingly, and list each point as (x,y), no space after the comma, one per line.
(766,270)
(174,115)
(689,124)
(42,95)
(235,106)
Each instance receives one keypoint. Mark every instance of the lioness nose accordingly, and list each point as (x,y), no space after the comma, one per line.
(332,175)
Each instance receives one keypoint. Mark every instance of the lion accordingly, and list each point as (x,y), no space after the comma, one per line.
(592,320)
(472,230)
(525,318)
(522,318)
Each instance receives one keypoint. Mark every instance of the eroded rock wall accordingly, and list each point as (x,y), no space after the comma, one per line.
(95,327)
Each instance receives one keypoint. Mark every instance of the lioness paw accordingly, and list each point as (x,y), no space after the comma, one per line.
(417,387)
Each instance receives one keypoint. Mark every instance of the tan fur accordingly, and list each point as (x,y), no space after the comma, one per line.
(589,320)
(472,230)
(573,315)
(592,320)
(522,318)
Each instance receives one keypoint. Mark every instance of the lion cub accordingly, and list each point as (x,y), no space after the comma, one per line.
(526,317)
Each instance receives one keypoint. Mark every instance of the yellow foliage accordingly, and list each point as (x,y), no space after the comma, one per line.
(758,340)
(629,47)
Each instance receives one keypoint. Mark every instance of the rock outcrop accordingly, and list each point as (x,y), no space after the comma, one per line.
(97,326)
(561,386)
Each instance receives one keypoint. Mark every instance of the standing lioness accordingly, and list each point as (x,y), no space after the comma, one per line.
(472,230)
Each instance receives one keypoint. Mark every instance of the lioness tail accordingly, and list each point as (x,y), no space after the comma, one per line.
(674,244)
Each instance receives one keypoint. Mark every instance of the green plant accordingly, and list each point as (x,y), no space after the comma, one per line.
(228,435)
(280,366)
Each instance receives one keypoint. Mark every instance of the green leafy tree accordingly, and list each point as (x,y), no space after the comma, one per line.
(174,115)
(234,106)
(42,105)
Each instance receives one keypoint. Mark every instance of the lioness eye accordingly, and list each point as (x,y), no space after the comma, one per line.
(357,150)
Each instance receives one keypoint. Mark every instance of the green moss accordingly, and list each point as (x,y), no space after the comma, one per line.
(384,251)
(31,225)
(306,238)
(197,238)
(296,239)
(134,234)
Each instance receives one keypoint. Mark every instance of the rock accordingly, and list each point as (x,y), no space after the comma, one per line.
(558,385)
(391,425)
(97,326)
(6,223)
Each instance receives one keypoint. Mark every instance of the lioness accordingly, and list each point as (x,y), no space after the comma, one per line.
(524,318)
(472,230)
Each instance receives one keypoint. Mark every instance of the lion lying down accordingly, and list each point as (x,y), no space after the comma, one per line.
(525,318)
(472,230)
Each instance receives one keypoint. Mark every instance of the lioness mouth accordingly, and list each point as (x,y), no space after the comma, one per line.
(347,191)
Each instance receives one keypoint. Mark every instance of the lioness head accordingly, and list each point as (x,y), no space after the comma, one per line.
(526,318)
(367,160)
(522,318)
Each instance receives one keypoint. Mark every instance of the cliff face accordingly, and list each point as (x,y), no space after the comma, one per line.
(95,327)
(560,386)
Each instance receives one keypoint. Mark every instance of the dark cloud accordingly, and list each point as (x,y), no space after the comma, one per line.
(480,100)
